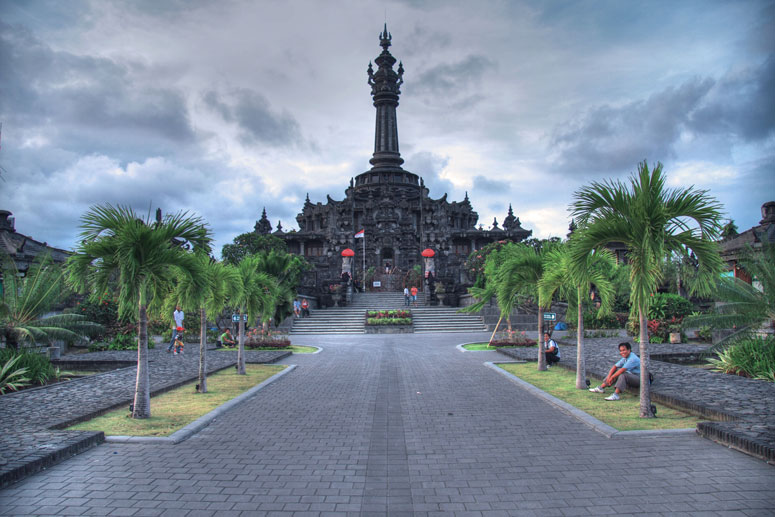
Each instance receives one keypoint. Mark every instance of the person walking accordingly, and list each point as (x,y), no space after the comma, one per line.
(304,308)
(414,295)
(406,296)
(178,316)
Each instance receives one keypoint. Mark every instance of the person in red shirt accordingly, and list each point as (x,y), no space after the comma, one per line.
(414,295)
(304,308)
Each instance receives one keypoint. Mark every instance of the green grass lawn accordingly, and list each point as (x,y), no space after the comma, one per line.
(483,346)
(296,349)
(175,409)
(621,414)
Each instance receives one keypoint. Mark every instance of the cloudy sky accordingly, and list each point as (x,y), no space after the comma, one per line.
(224,107)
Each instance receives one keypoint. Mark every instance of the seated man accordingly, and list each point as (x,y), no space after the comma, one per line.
(551,349)
(227,339)
(626,372)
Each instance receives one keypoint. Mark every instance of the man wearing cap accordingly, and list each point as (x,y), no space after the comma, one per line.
(178,316)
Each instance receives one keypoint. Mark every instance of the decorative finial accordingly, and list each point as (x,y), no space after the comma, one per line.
(384,38)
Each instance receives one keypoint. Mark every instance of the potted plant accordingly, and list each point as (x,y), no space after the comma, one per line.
(336,294)
(674,329)
(440,293)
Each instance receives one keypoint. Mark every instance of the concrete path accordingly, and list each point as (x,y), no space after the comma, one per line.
(400,425)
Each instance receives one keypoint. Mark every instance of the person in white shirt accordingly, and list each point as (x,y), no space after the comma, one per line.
(178,316)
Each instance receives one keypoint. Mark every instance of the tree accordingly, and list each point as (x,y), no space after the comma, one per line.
(251,243)
(511,275)
(652,222)
(209,298)
(143,258)
(286,269)
(745,307)
(26,300)
(252,298)
(561,274)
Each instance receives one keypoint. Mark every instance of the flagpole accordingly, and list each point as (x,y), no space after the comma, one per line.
(364,261)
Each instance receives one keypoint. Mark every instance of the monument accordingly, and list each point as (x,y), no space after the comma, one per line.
(391,208)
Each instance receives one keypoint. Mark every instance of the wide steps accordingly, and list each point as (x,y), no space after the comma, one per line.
(351,319)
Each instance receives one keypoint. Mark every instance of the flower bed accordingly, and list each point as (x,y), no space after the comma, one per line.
(389,322)
(512,338)
(257,338)
(394,317)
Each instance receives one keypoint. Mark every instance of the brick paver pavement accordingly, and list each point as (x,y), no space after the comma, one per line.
(400,425)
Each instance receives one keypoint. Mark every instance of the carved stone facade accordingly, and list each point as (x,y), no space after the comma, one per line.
(393,208)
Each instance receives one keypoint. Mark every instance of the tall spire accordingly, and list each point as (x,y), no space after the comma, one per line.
(263,225)
(385,88)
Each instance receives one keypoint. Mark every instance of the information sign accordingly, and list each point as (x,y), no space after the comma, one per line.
(550,316)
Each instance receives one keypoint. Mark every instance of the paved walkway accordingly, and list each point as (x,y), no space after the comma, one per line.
(30,439)
(400,425)
(746,407)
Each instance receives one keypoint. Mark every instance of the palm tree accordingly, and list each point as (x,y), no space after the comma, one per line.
(142,258)
(652,222)
(286,270)
(520,273)
(209,298)
(745,307)
(484,294)
(252,298)
(562,275)
(26,300)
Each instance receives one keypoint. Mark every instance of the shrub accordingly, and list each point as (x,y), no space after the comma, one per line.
(607,321)
(668,305)
(258,338)
(391,317)
(38,367)
(512,338)
(12,377)
(388,321)
(121,341)
(749,357)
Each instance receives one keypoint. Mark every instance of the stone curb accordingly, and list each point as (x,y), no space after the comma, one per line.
(85,441)
(203,421)
(585,418)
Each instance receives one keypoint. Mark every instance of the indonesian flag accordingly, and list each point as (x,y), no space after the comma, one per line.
(360,235)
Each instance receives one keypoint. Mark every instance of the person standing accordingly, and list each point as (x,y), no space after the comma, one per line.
(297,308)
(414,295)
(304,308)
(406,296)
(177,317)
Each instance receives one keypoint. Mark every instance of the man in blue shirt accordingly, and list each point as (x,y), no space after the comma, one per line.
(626,372)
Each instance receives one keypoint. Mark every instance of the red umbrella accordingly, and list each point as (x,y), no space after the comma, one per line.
(427,252)
(347,252)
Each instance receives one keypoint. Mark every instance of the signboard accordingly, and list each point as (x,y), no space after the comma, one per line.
(550,316)
(235,318)
(376,283)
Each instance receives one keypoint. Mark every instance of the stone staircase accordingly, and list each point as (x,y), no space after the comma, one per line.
(350,319)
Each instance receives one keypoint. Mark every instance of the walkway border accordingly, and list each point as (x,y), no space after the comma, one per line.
(585,418)
(204,420)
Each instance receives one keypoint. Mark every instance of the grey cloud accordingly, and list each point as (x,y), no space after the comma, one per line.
(451,79)
(490,186)
(429,166)
(254,116)
(606,139)
(616,138)
(95,101)
(741,104)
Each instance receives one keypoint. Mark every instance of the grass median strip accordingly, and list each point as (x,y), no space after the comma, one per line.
(621,414)
(296,349)
(475,347)
(175,409)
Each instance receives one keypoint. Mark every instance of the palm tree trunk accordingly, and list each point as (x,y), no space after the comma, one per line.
(645,388)
(142,402)
(496,329)
(202,351)
(581,366)
(508,320)
(241,349)
(541,355)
